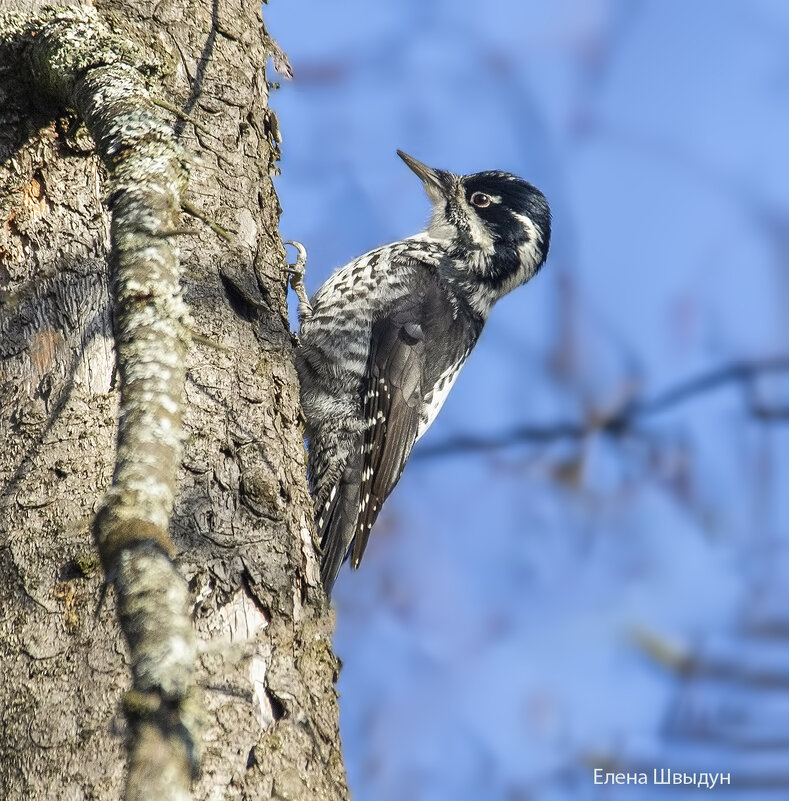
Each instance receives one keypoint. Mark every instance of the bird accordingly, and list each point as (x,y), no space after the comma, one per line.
(382,341)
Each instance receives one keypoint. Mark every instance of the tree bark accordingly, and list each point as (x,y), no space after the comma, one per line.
(241,523)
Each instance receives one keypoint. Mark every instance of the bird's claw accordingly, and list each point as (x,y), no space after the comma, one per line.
(296,272)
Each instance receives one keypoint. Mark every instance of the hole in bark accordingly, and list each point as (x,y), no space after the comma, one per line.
(242,299)
(277,707)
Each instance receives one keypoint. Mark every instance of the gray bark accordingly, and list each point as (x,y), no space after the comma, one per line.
(261,686)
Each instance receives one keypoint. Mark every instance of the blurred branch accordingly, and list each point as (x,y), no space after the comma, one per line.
(769,414)
(624,419)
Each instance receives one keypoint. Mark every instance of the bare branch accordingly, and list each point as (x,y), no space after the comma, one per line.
(741,372)
(72,57)
(623,420)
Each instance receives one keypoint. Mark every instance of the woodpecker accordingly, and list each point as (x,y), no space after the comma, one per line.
(383,340)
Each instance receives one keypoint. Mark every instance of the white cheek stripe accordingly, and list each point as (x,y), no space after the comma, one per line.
(526,222)
(529,253)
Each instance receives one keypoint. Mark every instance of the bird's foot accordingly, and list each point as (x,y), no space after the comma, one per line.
(296,272)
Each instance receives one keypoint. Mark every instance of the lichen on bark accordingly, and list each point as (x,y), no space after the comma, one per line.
(75,59)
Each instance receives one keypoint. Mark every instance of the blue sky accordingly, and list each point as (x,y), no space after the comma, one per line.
(490,639)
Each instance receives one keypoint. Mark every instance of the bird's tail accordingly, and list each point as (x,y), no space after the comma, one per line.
(336,522)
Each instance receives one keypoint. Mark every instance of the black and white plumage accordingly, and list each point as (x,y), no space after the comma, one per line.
(383,340)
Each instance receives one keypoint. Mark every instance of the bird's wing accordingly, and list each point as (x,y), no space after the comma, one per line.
(390,396)
(412,350)
(393,396)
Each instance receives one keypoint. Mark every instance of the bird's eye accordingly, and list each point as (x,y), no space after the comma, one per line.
(480,200)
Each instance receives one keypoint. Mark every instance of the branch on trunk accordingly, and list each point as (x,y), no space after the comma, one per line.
(75,60)
(623,420)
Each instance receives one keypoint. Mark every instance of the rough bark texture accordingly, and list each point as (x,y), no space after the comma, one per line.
(241,527)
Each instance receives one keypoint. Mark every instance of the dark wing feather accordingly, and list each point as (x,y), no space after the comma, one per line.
(410,349)
(393,401)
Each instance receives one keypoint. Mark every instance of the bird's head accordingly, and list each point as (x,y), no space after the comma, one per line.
(495,224)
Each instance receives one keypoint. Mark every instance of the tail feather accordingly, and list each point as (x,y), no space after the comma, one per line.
(336,523)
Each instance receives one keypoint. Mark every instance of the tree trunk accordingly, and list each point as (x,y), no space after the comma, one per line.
(242,518)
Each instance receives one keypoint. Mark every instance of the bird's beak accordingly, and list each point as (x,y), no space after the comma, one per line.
(436,182)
